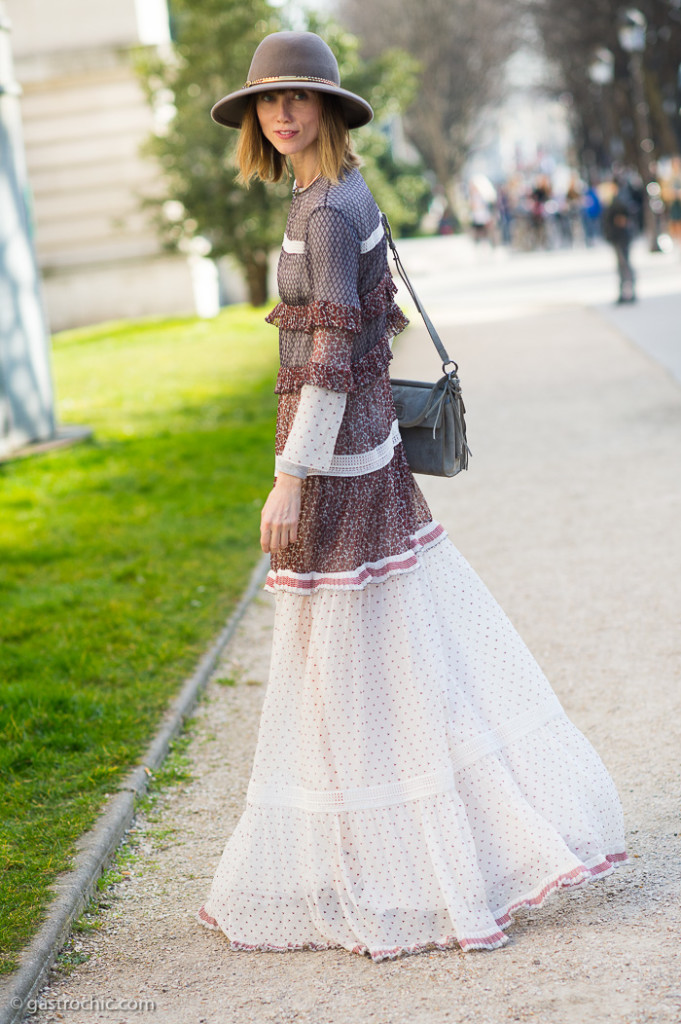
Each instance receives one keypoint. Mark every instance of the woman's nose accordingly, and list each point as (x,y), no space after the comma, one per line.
(283,112)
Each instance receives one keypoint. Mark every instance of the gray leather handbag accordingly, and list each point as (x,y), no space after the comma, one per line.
(430,416)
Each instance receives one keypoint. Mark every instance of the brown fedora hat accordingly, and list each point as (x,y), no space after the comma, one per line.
(282,60)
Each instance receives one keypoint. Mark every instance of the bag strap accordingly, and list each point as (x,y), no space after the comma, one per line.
(442,351)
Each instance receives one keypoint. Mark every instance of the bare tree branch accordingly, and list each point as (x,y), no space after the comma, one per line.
(462,47)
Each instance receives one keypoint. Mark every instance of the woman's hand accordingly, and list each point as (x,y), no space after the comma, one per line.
(279,519)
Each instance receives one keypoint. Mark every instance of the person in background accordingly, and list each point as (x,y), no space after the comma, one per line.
(674,200)
(573,205)
(481,217)
(675,216)
(591,214)
(620,227)
(504,214)
(539,197)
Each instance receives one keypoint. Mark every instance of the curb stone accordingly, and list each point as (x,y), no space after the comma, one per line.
(96,848)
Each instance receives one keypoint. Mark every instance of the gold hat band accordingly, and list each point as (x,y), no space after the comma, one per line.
(290,78)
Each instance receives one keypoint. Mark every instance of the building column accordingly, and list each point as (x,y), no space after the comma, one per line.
(26,392)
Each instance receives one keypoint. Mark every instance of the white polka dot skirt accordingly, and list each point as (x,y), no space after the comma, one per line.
(415,780)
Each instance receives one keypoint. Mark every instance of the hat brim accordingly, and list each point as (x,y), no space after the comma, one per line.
(230,110)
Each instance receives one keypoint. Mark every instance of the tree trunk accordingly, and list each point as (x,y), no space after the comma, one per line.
(256,278)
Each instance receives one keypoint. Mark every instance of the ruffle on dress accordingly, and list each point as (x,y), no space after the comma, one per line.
(320,313)
(362,374)
(359,577)
(355,530)
(416,780)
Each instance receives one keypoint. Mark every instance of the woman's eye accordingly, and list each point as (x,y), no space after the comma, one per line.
(301,95)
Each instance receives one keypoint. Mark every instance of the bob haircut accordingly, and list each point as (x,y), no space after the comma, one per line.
(257,157)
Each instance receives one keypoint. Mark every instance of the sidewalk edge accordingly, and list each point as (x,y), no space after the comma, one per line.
(97,846)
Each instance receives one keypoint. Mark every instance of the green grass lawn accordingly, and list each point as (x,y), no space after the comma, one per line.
(119,561)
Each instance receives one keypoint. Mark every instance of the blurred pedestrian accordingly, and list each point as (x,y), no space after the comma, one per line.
(539,197)
(620,226)
(591,214)
(675,216)
(480,199)
(573,205)
(504,214)
(674,202)
(448,223)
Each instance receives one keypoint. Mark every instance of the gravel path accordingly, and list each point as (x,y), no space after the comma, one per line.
(571,514)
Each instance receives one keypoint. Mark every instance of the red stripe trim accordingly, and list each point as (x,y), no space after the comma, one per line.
(205,917)
(402,562)
(572,878)
(494,940)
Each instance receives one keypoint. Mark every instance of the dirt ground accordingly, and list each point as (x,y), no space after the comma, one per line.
(571,513)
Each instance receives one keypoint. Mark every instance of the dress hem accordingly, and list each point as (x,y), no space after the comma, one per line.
(571,879)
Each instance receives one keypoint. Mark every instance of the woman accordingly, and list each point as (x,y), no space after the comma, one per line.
(415,779)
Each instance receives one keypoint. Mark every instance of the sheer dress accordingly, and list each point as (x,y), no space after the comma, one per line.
(415,779)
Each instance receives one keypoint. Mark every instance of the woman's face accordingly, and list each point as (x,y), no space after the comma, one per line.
(289,119)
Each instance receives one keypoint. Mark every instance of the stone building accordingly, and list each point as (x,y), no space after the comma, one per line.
(85,117)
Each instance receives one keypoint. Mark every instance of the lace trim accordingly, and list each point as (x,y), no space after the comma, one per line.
(357,579)
(490,742)
(434,783)
(363,462)
(334,378)
(321,313)
(364,799)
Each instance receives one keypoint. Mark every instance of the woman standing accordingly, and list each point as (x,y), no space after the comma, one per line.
(415,779)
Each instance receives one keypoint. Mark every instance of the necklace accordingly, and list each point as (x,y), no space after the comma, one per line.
(297,189)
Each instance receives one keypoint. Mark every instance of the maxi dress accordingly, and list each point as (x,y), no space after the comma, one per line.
(415,779)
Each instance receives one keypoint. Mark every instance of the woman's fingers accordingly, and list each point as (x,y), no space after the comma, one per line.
(275,541)
(276,536)
(279,519)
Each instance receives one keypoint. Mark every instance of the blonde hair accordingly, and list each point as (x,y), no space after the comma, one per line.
(257,157)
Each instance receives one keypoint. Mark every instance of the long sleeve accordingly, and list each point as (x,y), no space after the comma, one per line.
(332,255)
(333,260)
(336,318)
(312,439)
